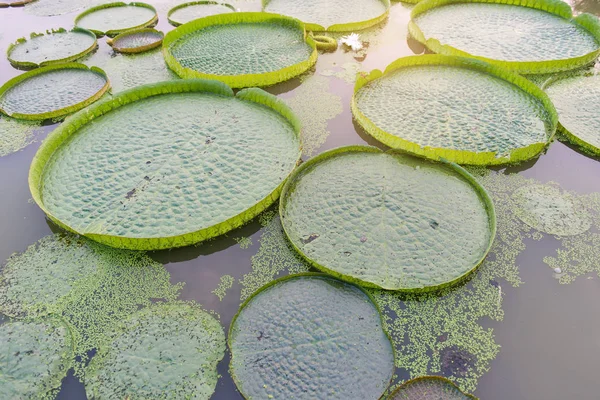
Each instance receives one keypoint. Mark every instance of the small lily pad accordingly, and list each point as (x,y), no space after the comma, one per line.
(137,41)
(186,12)
(429,388)
(114,18)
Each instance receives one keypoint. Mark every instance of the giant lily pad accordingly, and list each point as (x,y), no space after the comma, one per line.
(137,41)
(114,18)
(54,47)
(310,336)
(240,49)
(528,36)
(53,91)
(429,388)
(577,100)
(464,110)
(388,220)
(332,15)
(186,12)
(166,165)
(166,351)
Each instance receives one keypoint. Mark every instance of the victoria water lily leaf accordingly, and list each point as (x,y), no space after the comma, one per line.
(114,18)
(52,91)
(332,15)
(166,351)
(35,357)
(240,49)
(528,36)
(387,220)
(53,47)
(166,165)
(187,12)
(137,41)
(48,8)
(550,210)
(577,100)
(463,110)
(429,388)
(310,336)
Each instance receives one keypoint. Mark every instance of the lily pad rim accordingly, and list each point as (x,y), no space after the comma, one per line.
(556,7)
(459,156)
(347,27)
(194,3)
(19,3)
(340,151)
(136,50)
(243,80)
(31,65)
(62,111)
(431,377)
(58,136)
(114,32)
(309,275)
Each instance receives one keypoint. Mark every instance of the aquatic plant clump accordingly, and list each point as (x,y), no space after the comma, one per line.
(114,18)
(527,36)
(310,336)
(429,388)
(332,15)
(173,163)
(242,49)
(35,357)
(165,351)
(186,12)
(387,220)
(463,110)
(52,91)
(137,41)
(16,134)
(53,47)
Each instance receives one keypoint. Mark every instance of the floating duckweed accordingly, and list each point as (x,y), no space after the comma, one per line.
(429,388)
(165,351)
(578,256)
(225,283)
(315,106)
(347,73)
(34,359)
(15,134)
(244,242)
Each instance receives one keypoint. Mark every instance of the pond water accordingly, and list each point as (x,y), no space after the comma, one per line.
(548,336)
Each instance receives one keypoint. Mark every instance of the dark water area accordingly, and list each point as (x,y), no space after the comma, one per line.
(549,335)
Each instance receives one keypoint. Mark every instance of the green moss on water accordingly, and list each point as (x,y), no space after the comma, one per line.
(244,242)
(16,134)
(225,283)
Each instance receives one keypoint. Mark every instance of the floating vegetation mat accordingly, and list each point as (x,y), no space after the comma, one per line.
(187,12)
(456,108)
(387,220)
(165,351)
(48,8)
(34,359)
(532,36)
(114,18)
(15,134)
(577,100)
(167,165)
(332,15)
(240,49)
(53,47)
(225,283)
(137,41)
(52,91)
(429,388)
(310,336)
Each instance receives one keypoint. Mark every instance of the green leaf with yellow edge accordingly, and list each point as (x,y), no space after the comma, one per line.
(113,18)
(429,388)
(186,12)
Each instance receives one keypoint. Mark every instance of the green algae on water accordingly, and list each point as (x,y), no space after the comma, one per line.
(244,242)
(16,134)
(225,283)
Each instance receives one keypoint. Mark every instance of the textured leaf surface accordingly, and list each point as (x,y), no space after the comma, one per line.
(167,351)
(34,359)
(46,8)
(310,337)
(197,9)
(577,100)
(137,41)
(117,18)
(429,388)
(170,165)
(388,221)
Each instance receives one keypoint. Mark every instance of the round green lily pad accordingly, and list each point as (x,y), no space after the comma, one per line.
(166,165)
(166,351)
(137,41)
(114,18)
(35,357)
(464,110)
(387,220)
(530,36)
(53,91)
(550,210)
(186,12)
(241,49)
(429,388)
(332,15)
(577,100)
(310,336)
